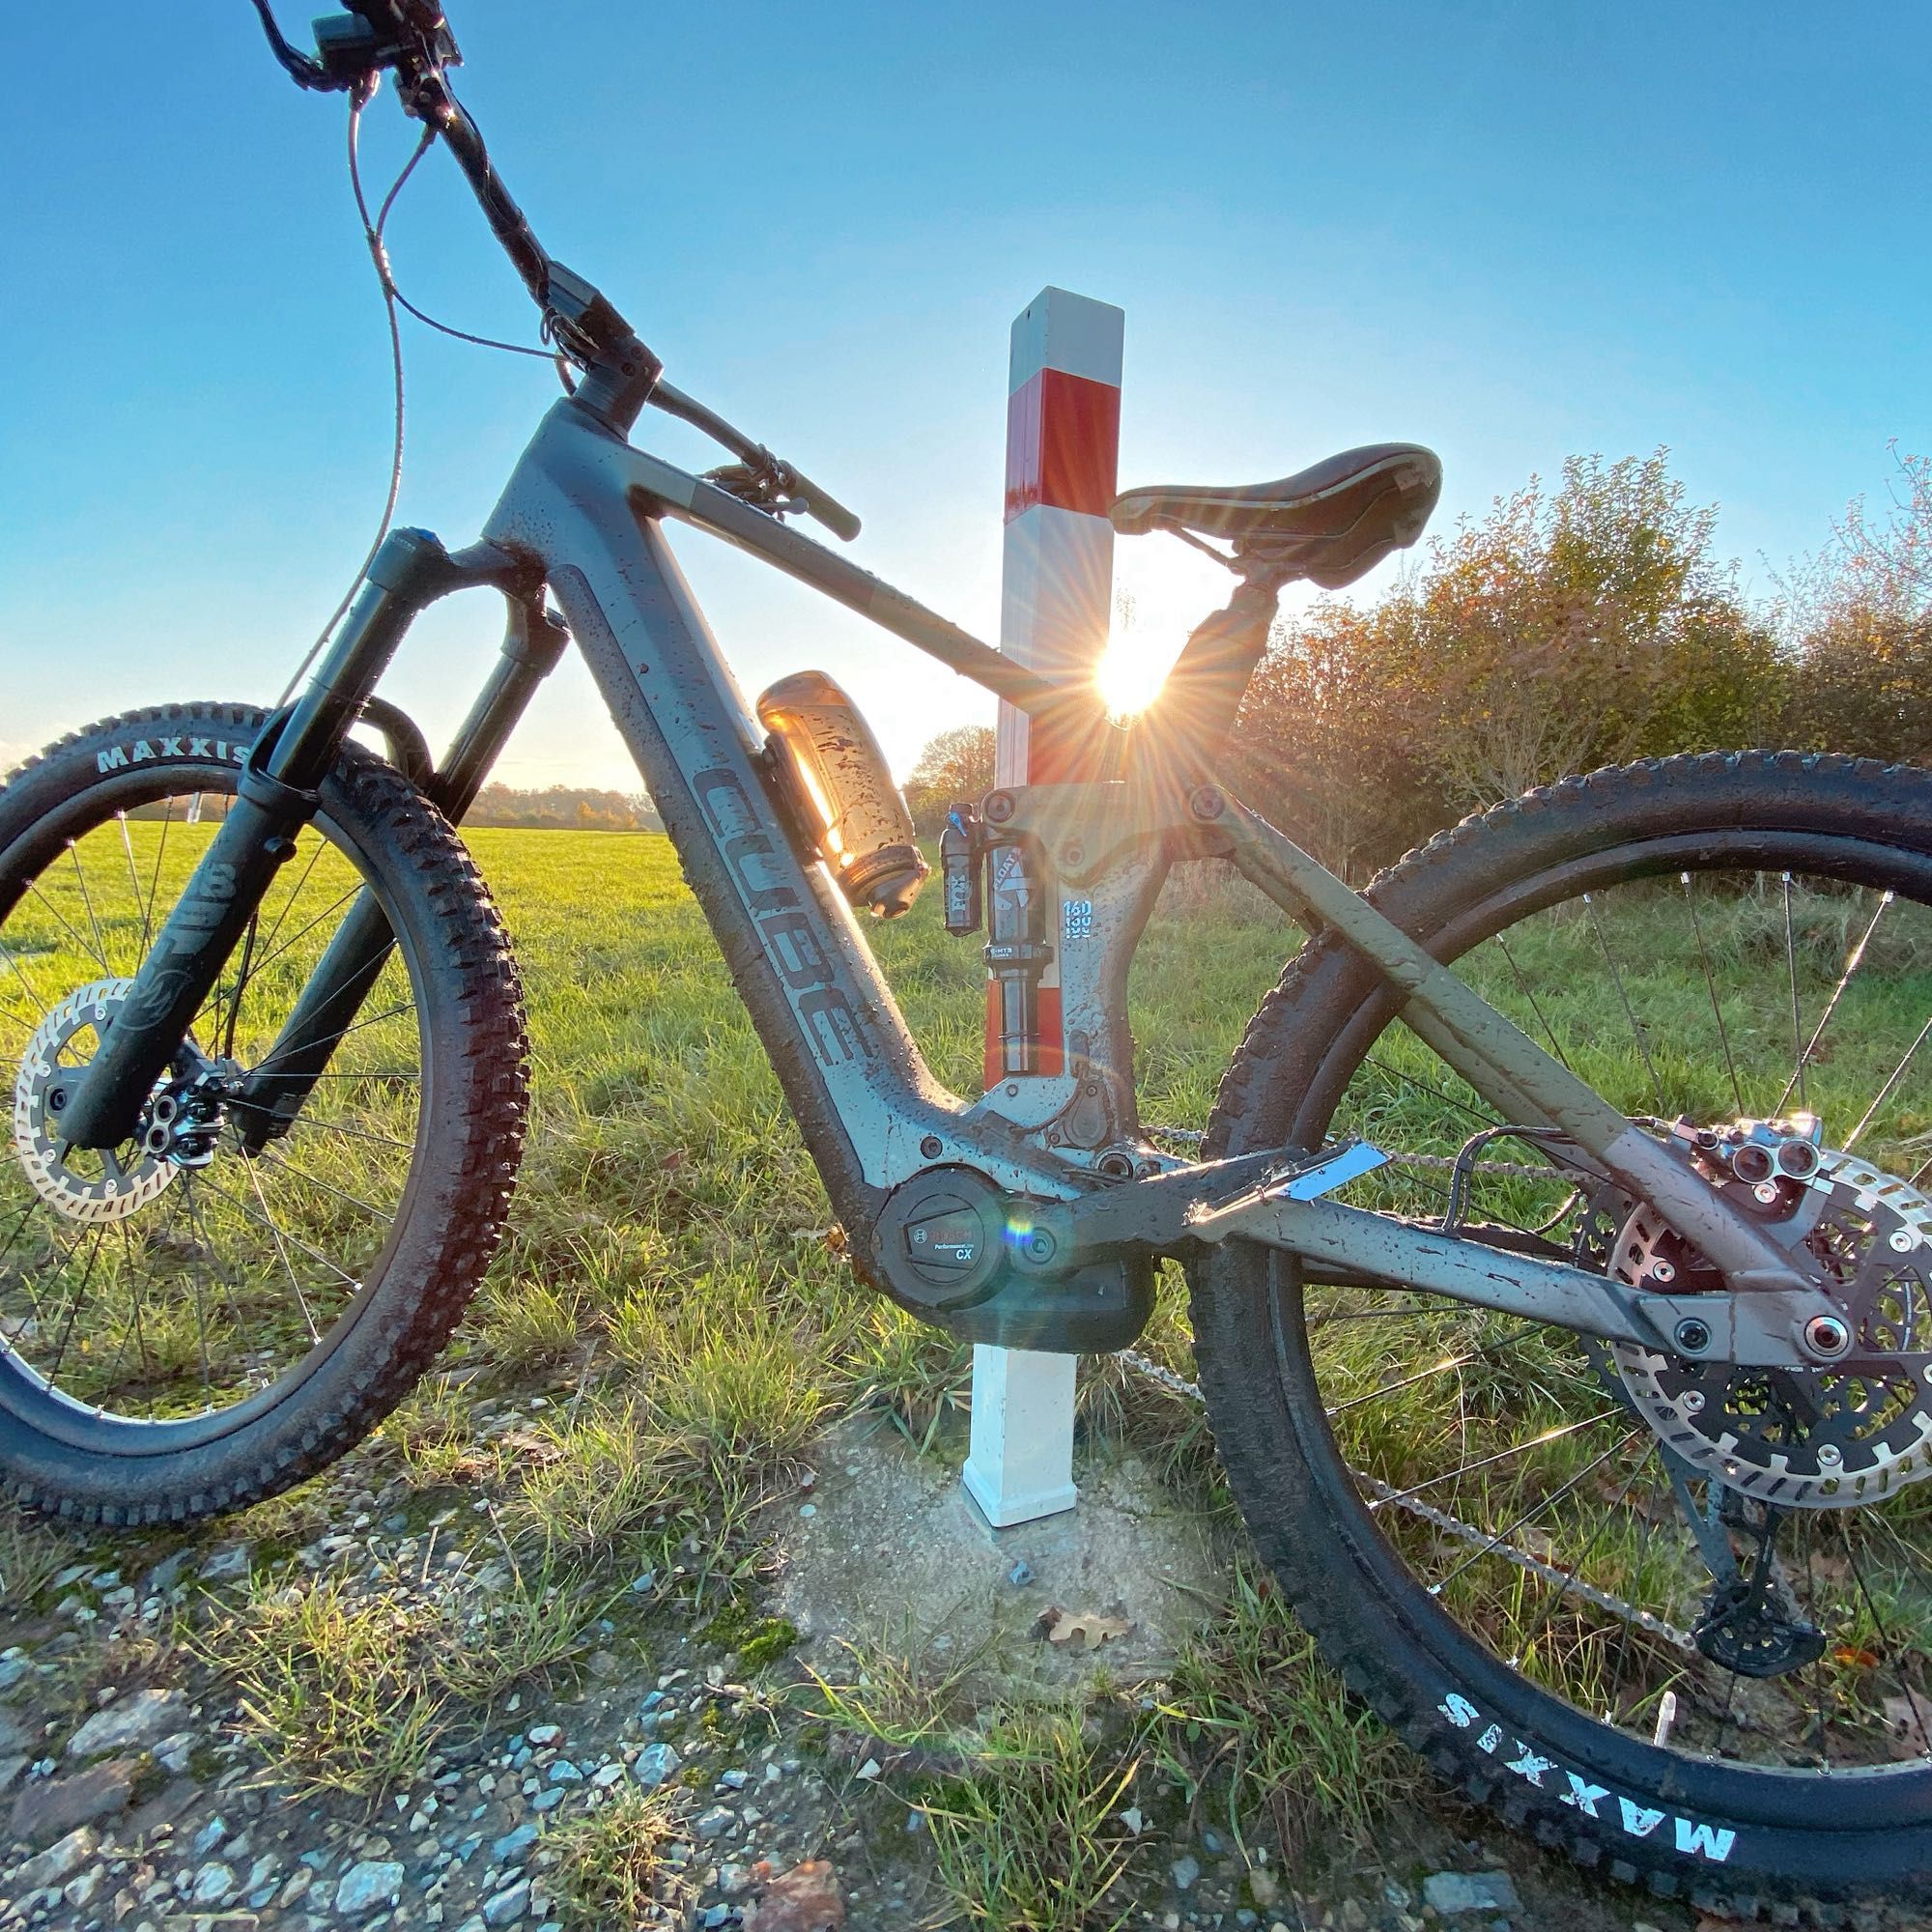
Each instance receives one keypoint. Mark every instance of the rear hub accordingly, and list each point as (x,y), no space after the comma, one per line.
(1849,1431)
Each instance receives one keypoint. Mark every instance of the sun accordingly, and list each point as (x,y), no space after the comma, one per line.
(1161,590)
(1132,670)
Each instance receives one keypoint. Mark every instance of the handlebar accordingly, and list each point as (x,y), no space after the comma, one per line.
(412,39)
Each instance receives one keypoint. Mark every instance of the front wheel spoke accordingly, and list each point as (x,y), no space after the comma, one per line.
(61,919)
(355,1134)
(134,885)
(296,938)
(87,900)
(313,1180)
(240,985)
(281,1233)
(73,1307)
(329,1039)
(27,986)
(281,1249)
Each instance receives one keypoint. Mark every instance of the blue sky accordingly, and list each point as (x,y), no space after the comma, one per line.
(1512,232)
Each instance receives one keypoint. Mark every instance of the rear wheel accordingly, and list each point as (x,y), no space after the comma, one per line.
(1675,1617)
(202,1315)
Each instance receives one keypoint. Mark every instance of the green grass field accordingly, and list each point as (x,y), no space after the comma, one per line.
(672,1270)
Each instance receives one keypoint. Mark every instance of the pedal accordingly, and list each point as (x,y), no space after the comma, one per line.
(1332,1168)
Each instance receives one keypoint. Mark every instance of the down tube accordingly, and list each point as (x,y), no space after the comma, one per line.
(867,1105)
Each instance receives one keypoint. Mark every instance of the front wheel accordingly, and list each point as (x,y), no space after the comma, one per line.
(1674,1616)
(207,1313)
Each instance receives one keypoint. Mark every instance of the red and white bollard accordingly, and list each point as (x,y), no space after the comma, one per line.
(1063,450)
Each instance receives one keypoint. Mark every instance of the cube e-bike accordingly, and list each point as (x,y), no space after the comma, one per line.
(1557,1245)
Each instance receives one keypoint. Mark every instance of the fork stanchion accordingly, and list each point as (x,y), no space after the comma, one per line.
(1063,442)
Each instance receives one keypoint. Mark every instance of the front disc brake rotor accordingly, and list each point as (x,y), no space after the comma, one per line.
(1807,1438)
(81,1183)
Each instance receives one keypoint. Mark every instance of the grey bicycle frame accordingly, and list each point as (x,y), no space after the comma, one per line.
(587,507)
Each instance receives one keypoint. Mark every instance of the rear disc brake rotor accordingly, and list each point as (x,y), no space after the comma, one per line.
(1806,1438)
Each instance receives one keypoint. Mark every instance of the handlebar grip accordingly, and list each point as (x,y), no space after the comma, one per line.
(823,507)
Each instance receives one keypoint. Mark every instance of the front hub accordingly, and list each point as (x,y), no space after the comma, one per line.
(178,1127)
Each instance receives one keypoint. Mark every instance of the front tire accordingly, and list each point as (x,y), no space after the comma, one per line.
(1771,1812)
(184,1336)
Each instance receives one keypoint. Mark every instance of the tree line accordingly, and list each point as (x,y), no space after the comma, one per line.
(1577,624)
(561,808)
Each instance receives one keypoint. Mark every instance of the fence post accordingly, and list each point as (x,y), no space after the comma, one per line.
(1063,443)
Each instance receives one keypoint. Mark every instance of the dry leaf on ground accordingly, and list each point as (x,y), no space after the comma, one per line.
(1084,1630)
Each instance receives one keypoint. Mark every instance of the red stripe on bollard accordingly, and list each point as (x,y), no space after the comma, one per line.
(1063,443)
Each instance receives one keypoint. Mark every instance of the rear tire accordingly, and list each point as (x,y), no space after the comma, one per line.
(1730,1835)
(135,1450)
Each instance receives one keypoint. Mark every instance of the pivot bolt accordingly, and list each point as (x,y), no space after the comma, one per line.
(1693,1336)
(930,1147)
(1826,1336)
(998,806)
(1206,802)
(1038,1245)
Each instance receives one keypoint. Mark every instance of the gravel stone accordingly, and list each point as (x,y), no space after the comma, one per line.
(55,1805)
(56,1865)
(713,1823)
(1186,1869)
(509,1904)
(1471,1892)
(213,1884)
(366,1885)
(655,1764)
(512,1845)
(130,1724)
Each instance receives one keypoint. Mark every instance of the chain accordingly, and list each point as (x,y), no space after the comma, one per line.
(1383,1492)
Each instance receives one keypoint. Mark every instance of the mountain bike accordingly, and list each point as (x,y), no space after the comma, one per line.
(1556,1247)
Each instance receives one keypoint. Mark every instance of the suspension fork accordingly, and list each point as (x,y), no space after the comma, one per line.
(277,797)
(272,1097)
